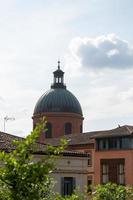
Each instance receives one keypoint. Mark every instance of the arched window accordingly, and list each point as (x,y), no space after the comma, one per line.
(48,132)
(81,128)
(68,128)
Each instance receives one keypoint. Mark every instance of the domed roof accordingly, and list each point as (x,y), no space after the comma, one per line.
(58,100)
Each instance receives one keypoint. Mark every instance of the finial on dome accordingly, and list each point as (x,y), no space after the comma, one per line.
(58,64)
(58,78)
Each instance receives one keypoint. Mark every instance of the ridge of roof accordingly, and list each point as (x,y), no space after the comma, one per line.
(10,135)
(129,128)
(124,130)
(88,137)
(73,139)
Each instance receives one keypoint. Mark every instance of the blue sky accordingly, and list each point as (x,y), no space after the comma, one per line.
(93,39)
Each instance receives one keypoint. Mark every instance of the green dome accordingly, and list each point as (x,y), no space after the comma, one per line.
(58,100)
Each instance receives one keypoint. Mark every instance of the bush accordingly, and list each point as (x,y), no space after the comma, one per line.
(112,191)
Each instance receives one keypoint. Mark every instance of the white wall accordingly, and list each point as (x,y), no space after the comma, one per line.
(76,167)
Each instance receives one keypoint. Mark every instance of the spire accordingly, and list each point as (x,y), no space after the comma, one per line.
(58,64)
(58,78)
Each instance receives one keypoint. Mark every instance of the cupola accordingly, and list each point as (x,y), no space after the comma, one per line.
(60,107)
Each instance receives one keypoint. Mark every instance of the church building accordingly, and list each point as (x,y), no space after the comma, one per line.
(95,157)
(61,108)
(110,152)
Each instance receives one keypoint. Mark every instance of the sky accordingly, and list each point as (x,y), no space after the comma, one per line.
(93,40)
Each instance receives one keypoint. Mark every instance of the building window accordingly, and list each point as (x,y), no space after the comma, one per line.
(81,128)
(121,174)
(89,184)
(48,132)
(104,144)
(131,143)
(126,143)
(113,143)
(67,185)
(89,160)
(68,128)
(105,173)
(112,170)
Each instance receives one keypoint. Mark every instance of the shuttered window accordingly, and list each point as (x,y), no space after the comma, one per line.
(121,174)
(67,185)
(105,173)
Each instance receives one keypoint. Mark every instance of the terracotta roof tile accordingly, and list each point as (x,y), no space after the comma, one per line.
(6,141)
(73,139)
(120,131)
(6,144)
(88,137)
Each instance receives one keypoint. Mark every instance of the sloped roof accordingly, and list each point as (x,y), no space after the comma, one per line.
(88,137)
(73,139)
(120,131)
(6,141)
(6,144)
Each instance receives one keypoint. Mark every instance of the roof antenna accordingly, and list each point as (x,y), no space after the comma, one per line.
(58,64)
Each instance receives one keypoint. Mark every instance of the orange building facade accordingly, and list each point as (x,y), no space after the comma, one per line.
(113,166)
(113,158)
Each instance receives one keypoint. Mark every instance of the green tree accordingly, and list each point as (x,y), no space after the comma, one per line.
(111,191)
(21,176)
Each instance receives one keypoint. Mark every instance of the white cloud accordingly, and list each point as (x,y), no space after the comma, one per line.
(32,36)
(102,52)
(107,106)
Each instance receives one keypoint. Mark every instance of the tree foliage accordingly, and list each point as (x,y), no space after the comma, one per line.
(21,176)
(112,191)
